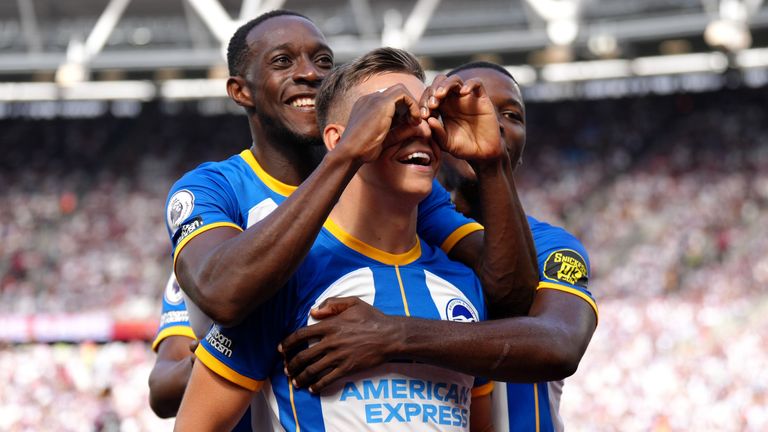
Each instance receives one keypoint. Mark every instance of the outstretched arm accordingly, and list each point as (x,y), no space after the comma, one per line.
(227,272)
(504,258)
(170,374)
(354,336)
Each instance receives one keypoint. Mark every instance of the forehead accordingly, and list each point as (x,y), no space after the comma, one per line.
(285,30)
(382,81)
(496,84)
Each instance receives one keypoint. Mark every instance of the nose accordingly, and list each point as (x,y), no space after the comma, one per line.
(419,131)
(403,132)
(307,71)
(422,130)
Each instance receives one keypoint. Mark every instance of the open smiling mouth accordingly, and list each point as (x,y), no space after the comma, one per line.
(302,102)
(416,158)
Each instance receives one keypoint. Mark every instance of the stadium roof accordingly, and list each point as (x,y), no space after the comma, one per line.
(549,40)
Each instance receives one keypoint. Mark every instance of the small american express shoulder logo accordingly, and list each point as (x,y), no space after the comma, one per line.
(459,310)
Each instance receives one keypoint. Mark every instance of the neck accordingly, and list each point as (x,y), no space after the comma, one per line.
(376,217)
(282,155)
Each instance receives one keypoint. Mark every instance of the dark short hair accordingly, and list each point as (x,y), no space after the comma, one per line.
(482,65)
(379,61)
(237,50)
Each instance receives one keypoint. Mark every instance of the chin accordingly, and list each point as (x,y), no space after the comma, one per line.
(419,193)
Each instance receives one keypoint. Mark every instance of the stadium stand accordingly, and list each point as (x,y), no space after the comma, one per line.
(668,193)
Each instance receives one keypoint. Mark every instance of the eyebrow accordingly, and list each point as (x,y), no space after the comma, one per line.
(514,102)
(288,46)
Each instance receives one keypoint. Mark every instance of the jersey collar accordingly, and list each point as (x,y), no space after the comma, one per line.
(271,182)
(371,252)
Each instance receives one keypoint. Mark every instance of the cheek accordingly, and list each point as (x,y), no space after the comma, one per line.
(514,133)
(515,140)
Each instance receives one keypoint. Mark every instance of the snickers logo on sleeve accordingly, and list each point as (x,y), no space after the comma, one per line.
(567,266)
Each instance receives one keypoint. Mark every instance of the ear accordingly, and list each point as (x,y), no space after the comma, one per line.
(332,135)
(238,91)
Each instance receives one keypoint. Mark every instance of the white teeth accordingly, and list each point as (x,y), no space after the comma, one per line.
(303,103)
(419,155)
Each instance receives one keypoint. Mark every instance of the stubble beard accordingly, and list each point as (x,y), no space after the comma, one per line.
(285,136)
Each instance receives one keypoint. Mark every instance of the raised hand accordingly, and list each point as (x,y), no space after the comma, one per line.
(371,119)
(352,336)
(467,126)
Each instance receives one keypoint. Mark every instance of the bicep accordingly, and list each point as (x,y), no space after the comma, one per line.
(193,254)
(210,402)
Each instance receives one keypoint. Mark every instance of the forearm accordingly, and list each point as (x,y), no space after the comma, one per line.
(246,269)
(507,268)
(512,349)
(167,382)
(546,346)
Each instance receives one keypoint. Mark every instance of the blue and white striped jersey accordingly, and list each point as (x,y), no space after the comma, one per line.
(237,193)
(422,282)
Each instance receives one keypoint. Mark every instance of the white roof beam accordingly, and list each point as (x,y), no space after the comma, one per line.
(410,32)
(252,8)
(103,28)
(216,18)
(249,9)
(364,21)
(197,30)
(29,26)
(417,21)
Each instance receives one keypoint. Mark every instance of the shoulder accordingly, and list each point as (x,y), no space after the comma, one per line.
(562,258)
(547,237)
(212,171)
(209,194)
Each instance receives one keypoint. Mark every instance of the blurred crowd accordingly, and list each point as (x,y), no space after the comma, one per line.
(669,195)
(75,388)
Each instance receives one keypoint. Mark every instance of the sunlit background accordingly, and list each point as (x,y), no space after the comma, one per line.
(647,138)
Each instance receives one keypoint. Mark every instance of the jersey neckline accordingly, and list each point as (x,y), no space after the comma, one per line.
(271,182)
(372,252)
